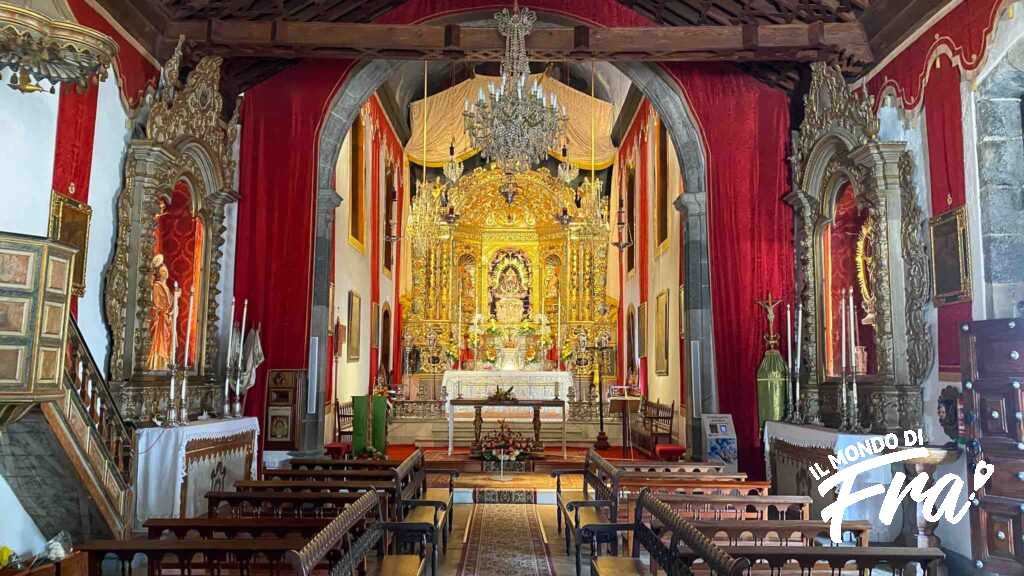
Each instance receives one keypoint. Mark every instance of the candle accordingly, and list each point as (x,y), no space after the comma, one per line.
(799,348)
(842,346)
(174,341)
(789,341)
(227,363)
(853,335)
(188,343)
(241,351)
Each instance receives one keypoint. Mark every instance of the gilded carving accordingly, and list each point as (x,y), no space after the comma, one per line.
(917,282)
(179,136)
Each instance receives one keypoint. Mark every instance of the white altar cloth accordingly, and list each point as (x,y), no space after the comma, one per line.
(162,468)
(817,437)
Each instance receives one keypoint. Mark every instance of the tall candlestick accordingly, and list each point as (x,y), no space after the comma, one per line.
(855,420)
(188,349)
(842,356)
(174,341)
(241,351)
(789,357)
(799,349)
(227,363)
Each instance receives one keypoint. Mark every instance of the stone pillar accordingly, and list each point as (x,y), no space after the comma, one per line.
(700,377)
(312,440)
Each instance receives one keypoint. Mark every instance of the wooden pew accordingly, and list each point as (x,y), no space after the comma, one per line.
(779,532)
(330,464)
(670,468)
(213,555)
(831,560)
(206,528)
(662,546)
(717,507)
(652,425)
(304,504)
(357,530)
(596,503)
(420,505)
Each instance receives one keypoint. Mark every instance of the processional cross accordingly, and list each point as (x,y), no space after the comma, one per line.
(769,304)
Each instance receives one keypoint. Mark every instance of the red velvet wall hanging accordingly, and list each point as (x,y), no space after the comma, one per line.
(179,239)
(942,108)
(277,186)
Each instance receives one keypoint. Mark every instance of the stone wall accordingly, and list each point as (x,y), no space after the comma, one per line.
(1000,141)
(45,482)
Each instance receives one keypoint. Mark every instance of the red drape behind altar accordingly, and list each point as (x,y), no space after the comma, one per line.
(277,187)
(745,125)
(942,108)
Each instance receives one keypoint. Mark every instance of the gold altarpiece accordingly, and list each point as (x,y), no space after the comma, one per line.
(488,274)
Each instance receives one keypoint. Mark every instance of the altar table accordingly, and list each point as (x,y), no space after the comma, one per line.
(790,449)
(479,403)
(528,385)
(178,466)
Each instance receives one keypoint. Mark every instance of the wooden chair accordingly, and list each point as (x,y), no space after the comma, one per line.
(651,430)
(596,503)
(341,447)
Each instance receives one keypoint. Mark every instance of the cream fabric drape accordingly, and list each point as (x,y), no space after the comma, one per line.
(445,123)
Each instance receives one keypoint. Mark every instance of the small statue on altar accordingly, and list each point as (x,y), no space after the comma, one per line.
(161,317)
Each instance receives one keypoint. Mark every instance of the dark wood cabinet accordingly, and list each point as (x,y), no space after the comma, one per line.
(992,370)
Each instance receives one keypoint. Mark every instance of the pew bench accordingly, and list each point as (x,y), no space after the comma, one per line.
(831,560)
(272,504)
(596,503)
(651,430)
(185,555)
(717,507)
(779,532)
(671,468)
(661,546)
(420,505)
(356,531)
(205,528)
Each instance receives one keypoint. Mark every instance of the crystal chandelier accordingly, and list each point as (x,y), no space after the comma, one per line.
(40,41)
(567,172)
(453,167)
(511,124)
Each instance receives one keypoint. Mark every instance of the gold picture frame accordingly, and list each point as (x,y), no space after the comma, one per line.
(641,330)
(354,326)
(951,259)
(661,333)
(375,325)
(69,224)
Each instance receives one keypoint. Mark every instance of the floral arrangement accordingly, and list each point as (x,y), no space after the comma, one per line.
(515,445)
(502,395)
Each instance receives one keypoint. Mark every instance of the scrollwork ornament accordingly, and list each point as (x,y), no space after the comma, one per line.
(917,277)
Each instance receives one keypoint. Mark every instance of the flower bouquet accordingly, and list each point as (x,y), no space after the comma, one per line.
(505,444)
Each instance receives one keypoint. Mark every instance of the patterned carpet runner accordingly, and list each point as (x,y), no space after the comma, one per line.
(506,540)
(504,496)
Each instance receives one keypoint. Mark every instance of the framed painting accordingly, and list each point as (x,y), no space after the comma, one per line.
(661,306)
(951,261)
(357,192)
(375,325)
(641,330)
(69,224)
(354,326)
(282,426)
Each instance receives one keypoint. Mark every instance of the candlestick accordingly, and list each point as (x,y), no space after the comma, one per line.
(172,364)
(227,363)
(843,421)
(185,361)
(241,354)
(855,416)
(789,357)
(799,357)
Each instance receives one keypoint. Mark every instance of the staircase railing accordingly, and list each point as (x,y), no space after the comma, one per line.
(94,434)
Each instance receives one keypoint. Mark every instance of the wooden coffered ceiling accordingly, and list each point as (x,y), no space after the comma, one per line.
(771,39)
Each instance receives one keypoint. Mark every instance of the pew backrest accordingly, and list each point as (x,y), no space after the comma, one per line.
(717,507)
(827,559)
(780,532)
(357,518)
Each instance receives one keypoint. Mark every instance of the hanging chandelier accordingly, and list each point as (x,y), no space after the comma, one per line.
(40,41)
(511,124)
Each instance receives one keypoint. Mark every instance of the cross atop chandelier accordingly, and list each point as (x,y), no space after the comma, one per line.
(512,125)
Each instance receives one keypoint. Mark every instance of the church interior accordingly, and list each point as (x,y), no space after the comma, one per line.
(534,287)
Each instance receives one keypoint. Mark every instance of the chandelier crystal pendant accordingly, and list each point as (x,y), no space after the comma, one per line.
(453,167)
(40,41)
(514,125)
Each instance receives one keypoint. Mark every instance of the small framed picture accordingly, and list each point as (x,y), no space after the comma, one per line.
(279,424)
(641,330)
(951,259)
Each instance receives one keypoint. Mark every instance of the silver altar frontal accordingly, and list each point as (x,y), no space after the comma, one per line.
(526,385)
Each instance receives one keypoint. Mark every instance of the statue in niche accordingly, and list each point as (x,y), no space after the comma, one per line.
(552,272)
(161,317)
(467,287)
(509,294)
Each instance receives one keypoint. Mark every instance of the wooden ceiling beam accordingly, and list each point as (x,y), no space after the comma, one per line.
(888,23)
(748,43)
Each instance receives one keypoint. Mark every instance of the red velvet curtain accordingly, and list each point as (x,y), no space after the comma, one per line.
(944,124)
(746,130)
(72,157)
(277,185)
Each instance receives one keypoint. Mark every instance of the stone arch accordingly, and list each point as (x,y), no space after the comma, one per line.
(653,81)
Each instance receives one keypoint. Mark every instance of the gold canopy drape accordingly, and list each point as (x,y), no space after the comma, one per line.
(445,123)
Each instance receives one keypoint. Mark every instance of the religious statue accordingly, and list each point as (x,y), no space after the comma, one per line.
(509,294)
(161,317)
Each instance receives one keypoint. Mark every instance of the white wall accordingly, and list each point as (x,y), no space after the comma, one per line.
(109,144)
(351,272)
(29,123)
(17,530)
